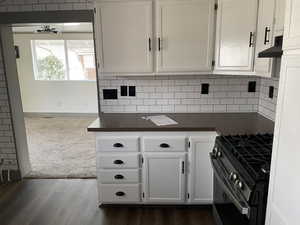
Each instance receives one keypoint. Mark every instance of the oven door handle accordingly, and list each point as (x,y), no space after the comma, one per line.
(242,206)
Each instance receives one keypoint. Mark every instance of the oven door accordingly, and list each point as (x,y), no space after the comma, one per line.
(229,207)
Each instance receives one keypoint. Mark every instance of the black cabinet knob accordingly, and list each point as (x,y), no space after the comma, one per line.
(164,145)
(118,162)
(118,145)
(120,193)
(119,177)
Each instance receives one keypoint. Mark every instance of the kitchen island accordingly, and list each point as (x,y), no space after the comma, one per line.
(141,163)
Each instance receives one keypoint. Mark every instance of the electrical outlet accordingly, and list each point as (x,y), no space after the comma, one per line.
(271,91)
(124,91)
(205,88)
(252,86)
(110,94)
(132,91)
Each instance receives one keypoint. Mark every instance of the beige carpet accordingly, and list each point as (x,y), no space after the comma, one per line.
(61,147)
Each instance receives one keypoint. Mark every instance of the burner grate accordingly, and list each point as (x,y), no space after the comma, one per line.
(252,151)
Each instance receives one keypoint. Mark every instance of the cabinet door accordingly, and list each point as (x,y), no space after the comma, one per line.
(264,39)
(236,26)
(185,35)
(164,177)
(279,16)
(292,25)
(125,36)
(200,183)
(284,193)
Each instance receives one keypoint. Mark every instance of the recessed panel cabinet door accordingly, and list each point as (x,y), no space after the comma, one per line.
(279,15)
(235,34)
(124,36)
(292,25)
(185,35)
(164,177)
(284,193)
(264,39)
(200,170)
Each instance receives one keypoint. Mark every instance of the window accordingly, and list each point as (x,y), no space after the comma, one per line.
(64,59)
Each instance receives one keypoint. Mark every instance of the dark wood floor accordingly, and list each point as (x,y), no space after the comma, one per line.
(74,202)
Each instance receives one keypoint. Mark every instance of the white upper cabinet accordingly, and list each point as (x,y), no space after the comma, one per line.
(124,36)
(279,16)
(164,177)
(292,25)
(264,37)
(185,35)
(235,35)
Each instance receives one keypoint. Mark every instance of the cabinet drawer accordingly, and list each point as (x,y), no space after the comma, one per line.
(119,176)
(119,193)
(118,161)
(129,144)
(166,144)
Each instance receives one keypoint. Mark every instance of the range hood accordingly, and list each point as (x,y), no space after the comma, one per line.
(273,52)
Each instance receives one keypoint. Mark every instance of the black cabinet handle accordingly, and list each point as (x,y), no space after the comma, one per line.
(120,193)
(118,162)
(250,40)
(159,44)
(164,145)
(267,30)
(149,44)
(119,177)
(118,145)
(182,167)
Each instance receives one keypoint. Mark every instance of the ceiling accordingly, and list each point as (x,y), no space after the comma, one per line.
(61,27)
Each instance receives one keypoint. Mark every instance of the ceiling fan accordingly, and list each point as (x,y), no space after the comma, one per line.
(47,29)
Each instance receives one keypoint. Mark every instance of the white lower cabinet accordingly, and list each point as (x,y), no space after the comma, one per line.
(119,176)
(200,171)
(164,177)
(165,168)
(119,193)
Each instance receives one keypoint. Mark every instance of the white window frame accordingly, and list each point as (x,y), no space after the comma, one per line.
(67,74)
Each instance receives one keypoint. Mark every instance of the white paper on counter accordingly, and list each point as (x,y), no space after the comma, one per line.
(160,120)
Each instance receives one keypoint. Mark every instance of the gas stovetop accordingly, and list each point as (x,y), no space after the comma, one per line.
(253,152)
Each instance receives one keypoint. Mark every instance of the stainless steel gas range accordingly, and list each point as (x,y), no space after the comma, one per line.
(241,176)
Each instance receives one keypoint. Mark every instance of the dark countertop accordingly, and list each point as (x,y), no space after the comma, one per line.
(223,123)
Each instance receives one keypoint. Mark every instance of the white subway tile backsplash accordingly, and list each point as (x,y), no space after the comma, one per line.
(266,105)
(219,108)
(183,94)
(206,108)
(181,109)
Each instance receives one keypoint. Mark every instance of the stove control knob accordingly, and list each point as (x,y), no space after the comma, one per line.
(214,151)
(241,185)
(219,154)
(233,176)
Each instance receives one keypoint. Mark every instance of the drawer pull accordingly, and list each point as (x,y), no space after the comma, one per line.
(118,145)
(118,162)
(119,177)
(120,193)
(164,145)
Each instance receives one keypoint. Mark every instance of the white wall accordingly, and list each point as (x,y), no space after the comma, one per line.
(52,96)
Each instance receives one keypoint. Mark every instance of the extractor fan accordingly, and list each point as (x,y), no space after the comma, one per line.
(47,29)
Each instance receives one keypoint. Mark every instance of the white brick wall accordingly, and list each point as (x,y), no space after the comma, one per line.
(7,143)
(267,106)
(182,94)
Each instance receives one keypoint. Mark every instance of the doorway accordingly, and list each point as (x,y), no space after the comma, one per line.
(57,76)
(58,94)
